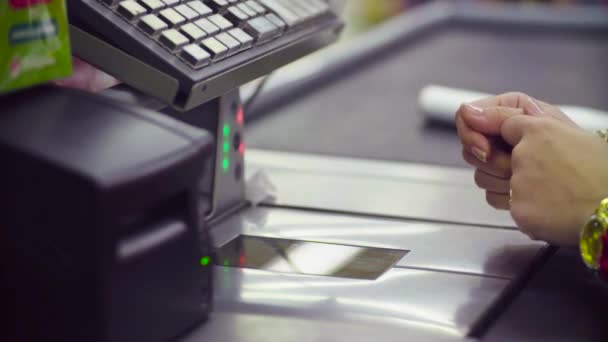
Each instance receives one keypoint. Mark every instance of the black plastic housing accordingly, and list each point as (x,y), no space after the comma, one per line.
(100,236)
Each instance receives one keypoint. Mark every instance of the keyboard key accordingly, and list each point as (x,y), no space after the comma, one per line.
(299,8)
(247,10)
(152,25)
(195,55)
(277,21)
(152,5)
(261,29)
(220,22)
(240,35)
(217,4)
(192,32)
(186,12)
(321,6)
(230,42)
(207,26)
(254,5)
(313,8)
(283,12)
(232,1)
(215,48)
(173,40)
(131,9)
(170,2)
(235,15)
(200,8)
(110,2)
(318,7)
(171,17)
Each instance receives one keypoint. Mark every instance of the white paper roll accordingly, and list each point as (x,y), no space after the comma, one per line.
(440,104)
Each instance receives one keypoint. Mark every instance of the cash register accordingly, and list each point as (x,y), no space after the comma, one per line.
(193,55)
(105,237)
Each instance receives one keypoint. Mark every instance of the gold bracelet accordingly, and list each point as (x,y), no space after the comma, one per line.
(593,241)
(593,238)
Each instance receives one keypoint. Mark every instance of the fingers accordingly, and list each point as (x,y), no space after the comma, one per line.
(513,129)
(475,124)
(481,125)
(498,200)
(498,164)
(87,77)
(555,112)
(476,143)
(497,189)
(532,107)
(510,99)
(487,121)
(492,183)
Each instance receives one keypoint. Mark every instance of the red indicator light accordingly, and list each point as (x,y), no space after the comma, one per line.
(242,148)
(242,260)
(240,116)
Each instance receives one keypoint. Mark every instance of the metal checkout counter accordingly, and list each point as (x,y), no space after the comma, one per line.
(468,273)
(378,233)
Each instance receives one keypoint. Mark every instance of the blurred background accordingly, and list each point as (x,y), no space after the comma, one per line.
(361,15)
(372,80)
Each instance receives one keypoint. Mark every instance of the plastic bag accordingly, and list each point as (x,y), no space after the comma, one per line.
(34,43)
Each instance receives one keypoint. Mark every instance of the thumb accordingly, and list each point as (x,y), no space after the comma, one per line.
(514,128)
(488,120)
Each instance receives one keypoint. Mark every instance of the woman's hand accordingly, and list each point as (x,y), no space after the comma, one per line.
(557,173)
(481,147)
(485,149)
(87,77)
(560,175)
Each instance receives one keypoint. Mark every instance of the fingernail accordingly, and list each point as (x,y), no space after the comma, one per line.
(473,109)
(481,155)
(533,108)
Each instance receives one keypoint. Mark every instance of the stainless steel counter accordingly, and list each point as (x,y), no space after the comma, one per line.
(499,253)
(373,187)
(254,327)
(452,276)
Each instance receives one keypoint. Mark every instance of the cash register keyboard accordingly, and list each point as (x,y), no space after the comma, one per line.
(203,32)
(185,38)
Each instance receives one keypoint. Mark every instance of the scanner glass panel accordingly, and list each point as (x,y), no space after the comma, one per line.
(306,257)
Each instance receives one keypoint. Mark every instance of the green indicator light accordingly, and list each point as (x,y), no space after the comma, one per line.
(205,261)
(226,147)
(226,262)
(225,164)
(226,130)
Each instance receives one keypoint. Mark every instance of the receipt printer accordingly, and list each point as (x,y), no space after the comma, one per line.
(100,235)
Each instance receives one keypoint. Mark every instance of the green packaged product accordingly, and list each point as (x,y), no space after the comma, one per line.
(35,45)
